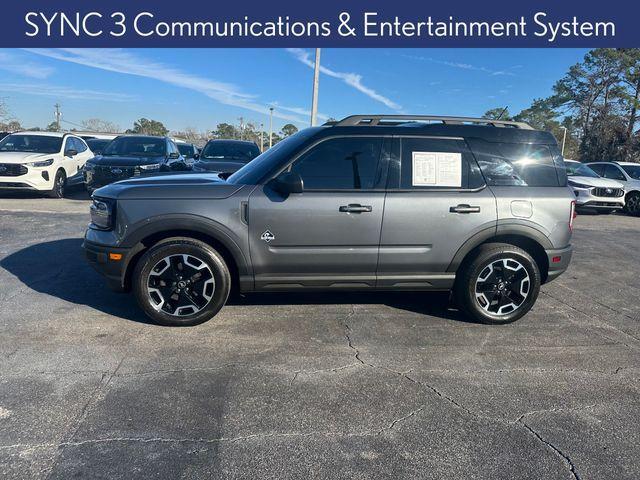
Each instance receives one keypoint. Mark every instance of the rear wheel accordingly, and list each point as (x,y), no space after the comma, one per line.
(59,185)
(632,205)
(499,285)
(181,281)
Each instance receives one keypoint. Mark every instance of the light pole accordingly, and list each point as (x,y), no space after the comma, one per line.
(261,137)
(270,126)
(316,82)
(564,140)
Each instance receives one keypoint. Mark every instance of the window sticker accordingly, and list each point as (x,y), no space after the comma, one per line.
(436,169)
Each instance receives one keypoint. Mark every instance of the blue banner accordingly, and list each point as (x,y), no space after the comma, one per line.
(329,23)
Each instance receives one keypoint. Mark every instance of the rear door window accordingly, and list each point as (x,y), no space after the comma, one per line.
(435,163)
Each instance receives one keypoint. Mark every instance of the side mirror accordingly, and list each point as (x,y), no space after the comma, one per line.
(289,182)
(174,155)
(196,156)
(70,153)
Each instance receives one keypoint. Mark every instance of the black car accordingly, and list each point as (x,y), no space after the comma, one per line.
(225,156)
(188,150)
(97,145)
(131,156)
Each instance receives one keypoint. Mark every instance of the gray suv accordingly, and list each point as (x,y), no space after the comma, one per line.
(371,202)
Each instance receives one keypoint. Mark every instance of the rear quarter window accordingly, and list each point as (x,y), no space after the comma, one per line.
(519,164)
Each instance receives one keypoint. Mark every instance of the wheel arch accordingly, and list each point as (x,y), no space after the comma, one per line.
(205,231)
(526,237)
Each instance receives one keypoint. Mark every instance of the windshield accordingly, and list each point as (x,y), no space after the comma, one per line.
(97,144)
(185,150)
(238,151)
(632,170)
(575,169)
(31,143)
(255,171)
(136,147)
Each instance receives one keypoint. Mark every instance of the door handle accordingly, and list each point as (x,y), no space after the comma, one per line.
(464,208)
(355,208)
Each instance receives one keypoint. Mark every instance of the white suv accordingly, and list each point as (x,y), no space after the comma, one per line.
(628,174)
(42,161)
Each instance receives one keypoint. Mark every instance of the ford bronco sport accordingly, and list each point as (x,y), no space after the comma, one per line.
(477,206)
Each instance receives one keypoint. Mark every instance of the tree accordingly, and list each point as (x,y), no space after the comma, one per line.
(225,130)
(288,130)
(145,126)
(7,123)
(499,113)
(52,127)
(99,125)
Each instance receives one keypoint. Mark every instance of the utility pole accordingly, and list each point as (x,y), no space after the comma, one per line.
(58,114)
(241,128)
(261,137)
(564,140)
(270,126)
(316,82)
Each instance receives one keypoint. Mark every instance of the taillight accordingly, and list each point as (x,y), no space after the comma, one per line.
(572,215)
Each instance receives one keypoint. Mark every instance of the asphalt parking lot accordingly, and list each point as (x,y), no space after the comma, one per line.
(313,386)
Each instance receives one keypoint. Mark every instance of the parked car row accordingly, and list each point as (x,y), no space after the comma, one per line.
(50,161)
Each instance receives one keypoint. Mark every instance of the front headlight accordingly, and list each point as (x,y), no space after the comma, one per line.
(102,212)
(579,185)
(150,167)
(40,163)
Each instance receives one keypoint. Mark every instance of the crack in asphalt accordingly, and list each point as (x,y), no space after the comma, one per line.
(520,421)
(556,450)
(604,325)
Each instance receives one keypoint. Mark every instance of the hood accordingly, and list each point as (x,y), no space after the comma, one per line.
(218,165)
(595,182)
(164,186)
(124,161)
(24,157)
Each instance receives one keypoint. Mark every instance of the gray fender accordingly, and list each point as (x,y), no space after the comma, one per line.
(520,229)
(193,223)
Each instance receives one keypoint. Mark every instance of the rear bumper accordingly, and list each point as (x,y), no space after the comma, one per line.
(114,271)
(558,262)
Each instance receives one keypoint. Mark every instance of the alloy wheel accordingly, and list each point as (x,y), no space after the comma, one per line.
(180,285)
(502,286)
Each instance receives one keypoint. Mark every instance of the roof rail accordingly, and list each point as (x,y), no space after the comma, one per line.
(374,120)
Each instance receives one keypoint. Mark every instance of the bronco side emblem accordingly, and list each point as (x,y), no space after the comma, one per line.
(267,236)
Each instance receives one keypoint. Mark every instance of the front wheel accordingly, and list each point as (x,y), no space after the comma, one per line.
(499,285)
(181,282)
(59,185)
(632,204)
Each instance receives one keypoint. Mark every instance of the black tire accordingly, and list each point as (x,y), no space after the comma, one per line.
(486,257)
(59,185)
(632,203)
(193,291)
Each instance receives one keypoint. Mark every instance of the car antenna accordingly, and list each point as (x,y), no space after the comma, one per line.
(502,112)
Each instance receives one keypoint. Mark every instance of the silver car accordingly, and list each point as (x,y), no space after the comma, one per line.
(371,202)
(593,192)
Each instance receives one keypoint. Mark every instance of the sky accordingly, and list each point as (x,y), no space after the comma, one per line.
(199,88)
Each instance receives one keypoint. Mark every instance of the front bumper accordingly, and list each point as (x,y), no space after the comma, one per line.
(40,179)
(586,198)
(101,258)
(558,262)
